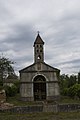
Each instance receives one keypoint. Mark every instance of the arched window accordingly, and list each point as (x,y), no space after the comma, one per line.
(39,57)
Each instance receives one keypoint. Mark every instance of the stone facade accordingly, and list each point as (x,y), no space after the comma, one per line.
(42,108)
(39,81)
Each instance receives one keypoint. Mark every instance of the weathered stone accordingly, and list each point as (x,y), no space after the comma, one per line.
(39,81)
(6,105)
(42,108)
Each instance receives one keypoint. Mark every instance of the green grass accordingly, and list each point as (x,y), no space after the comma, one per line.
(68,100)
(41,116)
(69,116)
(17,102)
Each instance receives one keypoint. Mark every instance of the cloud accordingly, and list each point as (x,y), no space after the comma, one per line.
(18,43)
(59,26)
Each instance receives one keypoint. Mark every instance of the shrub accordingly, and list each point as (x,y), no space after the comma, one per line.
(7,90)
(13,90)
(17,84)
(65,91)
(10,91)
(74,91)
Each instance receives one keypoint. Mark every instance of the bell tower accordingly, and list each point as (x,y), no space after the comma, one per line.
(38,49)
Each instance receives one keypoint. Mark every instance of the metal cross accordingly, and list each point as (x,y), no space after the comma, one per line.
(38,32)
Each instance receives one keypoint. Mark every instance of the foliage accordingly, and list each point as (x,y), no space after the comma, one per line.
(79,77)
(73,91)
(67,81)
(69,100)
(13,90)
(69,85)
(63,82)
(64,92)
(72,80)
(17,84)
(1,87)
(15,80)
(12,76)
(6,67)
(7,90)
(10,91)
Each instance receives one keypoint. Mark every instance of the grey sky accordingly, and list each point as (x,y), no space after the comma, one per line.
(59,24)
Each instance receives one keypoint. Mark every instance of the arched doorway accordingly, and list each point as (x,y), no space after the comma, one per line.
(39,88)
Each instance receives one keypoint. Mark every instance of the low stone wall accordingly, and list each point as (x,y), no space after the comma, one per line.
(50,108)
(68,107)
(24,109)
(44,108)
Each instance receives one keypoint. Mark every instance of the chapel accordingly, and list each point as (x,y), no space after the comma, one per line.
(39,81)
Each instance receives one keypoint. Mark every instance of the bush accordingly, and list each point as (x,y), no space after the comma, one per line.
(73,91)
(7,90)
(13,90)
(17,84)
(65,92)
(10,91)
(1,87)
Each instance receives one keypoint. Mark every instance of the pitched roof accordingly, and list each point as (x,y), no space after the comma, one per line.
(38,40)
(32,68)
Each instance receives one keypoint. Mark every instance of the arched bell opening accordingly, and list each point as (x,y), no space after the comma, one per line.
(39,88)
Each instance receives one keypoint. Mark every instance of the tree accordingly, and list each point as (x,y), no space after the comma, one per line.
(72,80)
(64,82)
(6,68)
(74,91)
(10,91)
(79,78)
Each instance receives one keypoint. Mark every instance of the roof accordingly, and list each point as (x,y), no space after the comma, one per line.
(38,40)
(32,68)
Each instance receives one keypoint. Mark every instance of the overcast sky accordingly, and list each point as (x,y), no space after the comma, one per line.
(59,24)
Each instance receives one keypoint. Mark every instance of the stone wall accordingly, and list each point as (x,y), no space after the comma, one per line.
(68,107)
(44,108)
(24,109)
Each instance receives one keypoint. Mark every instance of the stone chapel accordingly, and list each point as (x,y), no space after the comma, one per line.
(39,81)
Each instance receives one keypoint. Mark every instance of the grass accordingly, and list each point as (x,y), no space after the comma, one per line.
(41,116)
(68,100)
(69,116)
(17,102)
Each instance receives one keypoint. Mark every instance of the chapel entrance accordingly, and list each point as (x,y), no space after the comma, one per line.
(39,88)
